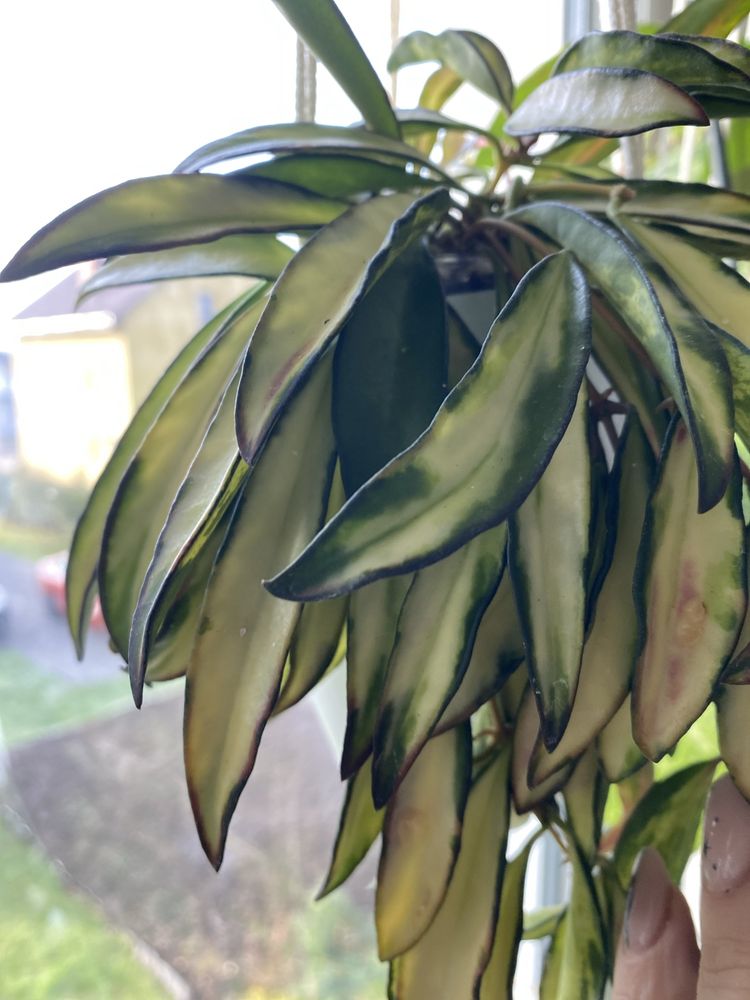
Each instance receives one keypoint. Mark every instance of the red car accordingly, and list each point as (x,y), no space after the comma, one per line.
(50,575)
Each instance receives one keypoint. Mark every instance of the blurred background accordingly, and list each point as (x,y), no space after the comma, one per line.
(104,890)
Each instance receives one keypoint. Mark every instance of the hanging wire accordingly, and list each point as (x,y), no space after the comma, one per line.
(395,32)
(305,91)
(622,17)
(622,14)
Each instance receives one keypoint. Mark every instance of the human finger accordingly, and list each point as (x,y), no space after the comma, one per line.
(657,956)
(725,897)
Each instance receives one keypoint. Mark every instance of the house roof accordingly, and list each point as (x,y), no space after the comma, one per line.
(61,299)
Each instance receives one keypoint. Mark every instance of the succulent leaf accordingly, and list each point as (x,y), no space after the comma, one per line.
(691,594)
(156,213)
(421,841)
(451,956)
(389,525)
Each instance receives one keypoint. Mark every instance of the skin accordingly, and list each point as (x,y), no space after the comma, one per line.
(657,956)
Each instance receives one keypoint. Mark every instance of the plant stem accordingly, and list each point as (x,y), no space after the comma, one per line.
(523,234)
(502,252)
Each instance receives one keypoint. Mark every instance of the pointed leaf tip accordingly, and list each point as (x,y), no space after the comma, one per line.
(158,213)
(304,314)
(389,525)
(321,25)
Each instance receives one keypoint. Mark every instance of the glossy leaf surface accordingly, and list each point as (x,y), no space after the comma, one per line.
(211,485)
(469,466)
(178,612)
(613,642)
(421,841)
(156,213)
(83,560)
(470,55)
(157,471)
(303,314)
(691,597)
(371,632)
(235,670)
(666,818)
(317,646)
(718,292)
(338,175)
(548,553)
(605,102)
(301,137)
(497,652)
(390,367)
(677,60)
(324,30)
(319,640)
(260,256)
(451,956)
(359,826)
(434,641)
(721,48)
(696,376)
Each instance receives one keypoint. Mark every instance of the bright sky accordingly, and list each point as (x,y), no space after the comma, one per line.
(96,93)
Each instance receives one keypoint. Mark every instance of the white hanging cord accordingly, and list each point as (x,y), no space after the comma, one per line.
(622,14)
(622,17)
(305,92)
(395,32)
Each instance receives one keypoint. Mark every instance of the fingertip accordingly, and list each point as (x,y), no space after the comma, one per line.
(657,956)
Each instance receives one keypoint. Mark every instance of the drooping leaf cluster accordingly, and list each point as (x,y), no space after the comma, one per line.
(524,537)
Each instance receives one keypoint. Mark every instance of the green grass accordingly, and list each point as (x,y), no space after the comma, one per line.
(53,945)
(34,702)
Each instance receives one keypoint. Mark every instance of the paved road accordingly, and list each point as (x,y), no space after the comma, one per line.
(34,630)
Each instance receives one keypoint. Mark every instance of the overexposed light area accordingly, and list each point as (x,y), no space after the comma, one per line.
(96,94)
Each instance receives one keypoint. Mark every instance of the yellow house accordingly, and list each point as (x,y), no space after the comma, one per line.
(79,374)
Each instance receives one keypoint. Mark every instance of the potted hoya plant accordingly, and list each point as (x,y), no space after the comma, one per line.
(526,540)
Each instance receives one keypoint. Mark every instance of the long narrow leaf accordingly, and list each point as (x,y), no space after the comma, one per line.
(80,582)
(211,485)
(259,256)
(235,669)
(470,55)
(467,472)
(156,473)
(421,841)
(305,314)
(682,349)
(359,826)
(320,24)
(301,137)
(691,594)
(437,625)
(450,958)
(156,213)
(708,17)
(339,175)
(548,550)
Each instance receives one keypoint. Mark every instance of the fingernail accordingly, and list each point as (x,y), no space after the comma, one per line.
(648,901)
(726,838)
